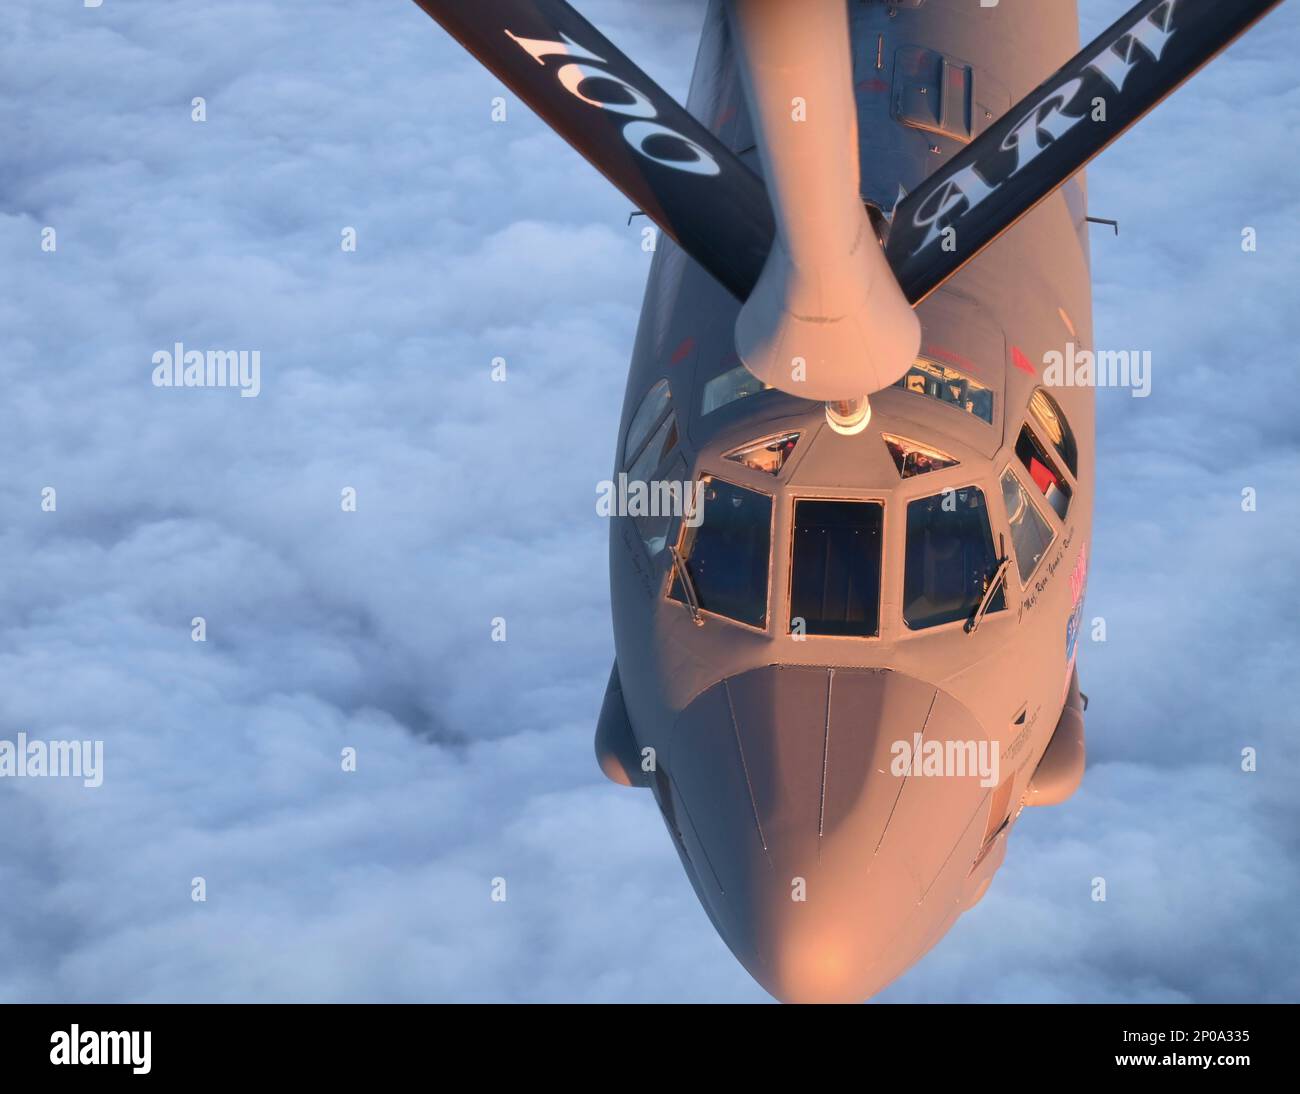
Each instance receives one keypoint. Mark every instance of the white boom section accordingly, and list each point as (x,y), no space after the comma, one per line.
(827,319)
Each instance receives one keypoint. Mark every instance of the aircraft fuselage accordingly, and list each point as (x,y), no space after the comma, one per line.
(805,708)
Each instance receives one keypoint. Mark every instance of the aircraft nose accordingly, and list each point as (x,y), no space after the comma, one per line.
(827,864)
(818,963)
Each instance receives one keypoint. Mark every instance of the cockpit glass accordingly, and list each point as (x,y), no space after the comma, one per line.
(1043,471)
(768,455)
(835,568)
(664,506)
(951,386)
(726,553)
(913,459)
(653,404)
(652,455)
(950,557)
(736,383)
(650,445)
(1051,419)
(1030,533)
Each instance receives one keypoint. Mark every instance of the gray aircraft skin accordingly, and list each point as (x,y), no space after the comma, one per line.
(772,750)
(846,667)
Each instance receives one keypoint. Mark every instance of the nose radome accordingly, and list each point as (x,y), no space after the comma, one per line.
(819,858)
(833,946)
(814,966)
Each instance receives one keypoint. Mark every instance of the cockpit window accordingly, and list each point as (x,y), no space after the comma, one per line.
(950,386)
(768,455)
(657,400)
(654,467)
(1043,471)
(652,455)
(1051,420)
(1030,532)
(950,556)
(726,554)
(835,568)
(737,383)
(666,503)
(912,458)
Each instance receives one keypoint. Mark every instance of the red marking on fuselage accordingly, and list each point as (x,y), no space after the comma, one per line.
(683,351)
(1022,362)
(1079,576)
(875,84)
(724,117)
(951,357)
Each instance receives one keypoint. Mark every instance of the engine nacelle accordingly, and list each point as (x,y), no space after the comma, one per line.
(1060,770)
(616,747)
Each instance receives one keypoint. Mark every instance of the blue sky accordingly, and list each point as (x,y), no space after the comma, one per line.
(371,629)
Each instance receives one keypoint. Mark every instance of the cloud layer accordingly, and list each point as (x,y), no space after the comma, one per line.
(371,629)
